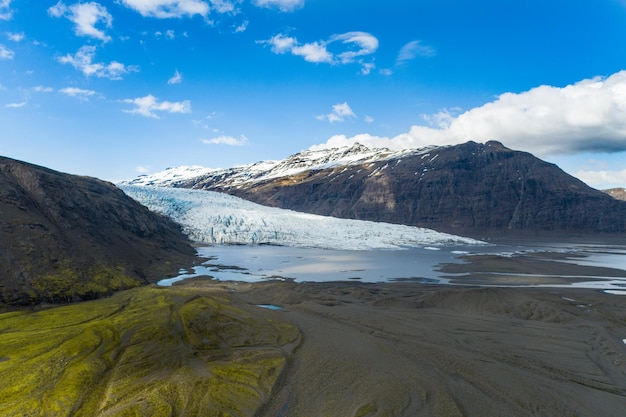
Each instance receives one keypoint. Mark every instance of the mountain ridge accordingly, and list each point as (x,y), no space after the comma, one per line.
(295,164)
(468,189)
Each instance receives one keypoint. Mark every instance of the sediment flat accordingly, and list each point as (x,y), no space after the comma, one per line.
(409,349)
(346,349)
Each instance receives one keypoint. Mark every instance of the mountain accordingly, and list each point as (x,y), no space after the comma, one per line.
(245,175)
(66,237)
(618,193)
(211,217)
(467,189)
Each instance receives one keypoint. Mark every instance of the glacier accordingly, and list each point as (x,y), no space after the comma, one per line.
(209,217)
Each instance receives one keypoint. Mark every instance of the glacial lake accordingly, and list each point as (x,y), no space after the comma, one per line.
(261,263)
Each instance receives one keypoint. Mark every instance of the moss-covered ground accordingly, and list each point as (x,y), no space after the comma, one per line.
(143,352)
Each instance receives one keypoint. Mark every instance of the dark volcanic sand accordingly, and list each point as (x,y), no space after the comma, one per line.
(407,349)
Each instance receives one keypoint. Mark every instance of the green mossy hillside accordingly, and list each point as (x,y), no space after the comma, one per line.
(66,283)
(142,352)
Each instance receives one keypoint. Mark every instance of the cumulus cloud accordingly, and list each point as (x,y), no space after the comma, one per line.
(77,92)
(85,17)
(242,27)
(6,53)
(223,6)
(5,10)
(149,105)
(280,43)
(282,5)
(176,78)
(164,9)
(412,50)
(340,112)
(313,52)
(82,60)
(587,116)
(227,140)
(16,37)
(355,46)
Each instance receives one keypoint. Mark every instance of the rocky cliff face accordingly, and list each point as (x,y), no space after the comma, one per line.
(469,189)
(65,237)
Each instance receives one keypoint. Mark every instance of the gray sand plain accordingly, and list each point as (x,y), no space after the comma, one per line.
(409,349)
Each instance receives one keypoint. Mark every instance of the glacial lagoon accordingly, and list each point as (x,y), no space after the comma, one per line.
(423,265)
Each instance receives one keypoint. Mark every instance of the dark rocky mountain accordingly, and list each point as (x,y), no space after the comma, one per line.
(66,237)
(618,193)
(469,189)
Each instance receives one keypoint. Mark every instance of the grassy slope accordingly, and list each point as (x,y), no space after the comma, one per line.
(145,351)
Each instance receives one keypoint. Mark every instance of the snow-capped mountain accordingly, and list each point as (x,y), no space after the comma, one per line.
(310,160)
(470,189)
(210,217)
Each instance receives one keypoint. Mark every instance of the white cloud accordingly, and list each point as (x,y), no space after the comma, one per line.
(223,6)
(176,78)
(5,10)
(77,92)
(142,169)
(85,17)
(280,43)
(603,179)
(42,89)
(368,119)
(355,46)
(313,52)
(6,53)
(170,34)
(367,67)
(16,105)
(16,37)
(365,43)
(227,140)
(340,112)
(168,8)
(282,5)
(148,105)
(83,60)
(242,27)
(412,50)
(587,116)
(201,123)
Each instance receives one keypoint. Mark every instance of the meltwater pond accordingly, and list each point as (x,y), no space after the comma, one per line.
(261,263)
(585,266)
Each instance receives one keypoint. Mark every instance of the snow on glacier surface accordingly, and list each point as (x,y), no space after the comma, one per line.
(216,218)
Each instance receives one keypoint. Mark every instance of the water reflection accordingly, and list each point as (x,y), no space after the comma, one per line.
(259,263)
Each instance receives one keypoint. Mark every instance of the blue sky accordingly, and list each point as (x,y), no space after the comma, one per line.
(114,89)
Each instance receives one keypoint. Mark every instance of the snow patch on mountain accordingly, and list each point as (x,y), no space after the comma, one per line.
(265,170)
(216,218)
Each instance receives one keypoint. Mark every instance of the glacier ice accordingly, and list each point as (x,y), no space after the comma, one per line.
(216,218)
